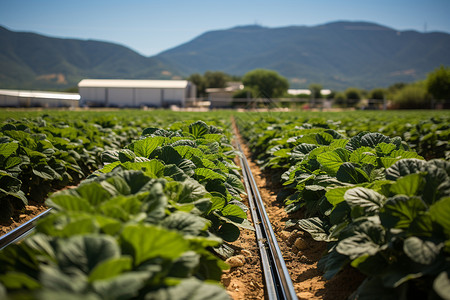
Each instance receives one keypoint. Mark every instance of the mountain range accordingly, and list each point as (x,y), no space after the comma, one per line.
(337,55)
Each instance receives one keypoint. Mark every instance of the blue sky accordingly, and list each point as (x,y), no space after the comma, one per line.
(152,26)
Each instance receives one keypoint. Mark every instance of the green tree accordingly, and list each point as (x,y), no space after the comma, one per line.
(340,99)
(353,96)
(438,83)
(377,94)
(216,79)
(315,90)
(265,83)
(199,82)
(412,96)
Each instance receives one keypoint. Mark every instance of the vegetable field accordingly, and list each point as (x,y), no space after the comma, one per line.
(156,198)
(381,207)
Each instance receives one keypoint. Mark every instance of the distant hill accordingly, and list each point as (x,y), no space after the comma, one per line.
(33,61)
(336,55)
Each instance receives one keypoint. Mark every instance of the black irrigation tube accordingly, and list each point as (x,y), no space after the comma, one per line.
(276,276)
(20,232)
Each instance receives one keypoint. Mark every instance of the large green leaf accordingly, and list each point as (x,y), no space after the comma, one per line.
(121,207)
(214,136)
(331,161)
(2,291)
(373,288)
(153,168)
(437,184)
(385,148)
(146,146)
(12,161)
(155,204)
(109,167)
(233,211)
(316,227)
(9,183)
(347,172)
(198,129)
(189,289)
(144,242)
(207,174)
(68,202)
(441,285)
(110,268)
(110,156)
(404,167)
(355,142)
(136,180)
(188,151)
(421,251)
(229,232)
(400,211)
(6,149)
(336,195)
(187,166)
(149,130)
(84,253)
(368,199)
(409,185)
(186,191)
(185,223)
(367,239)
(16,280)
(126,155)
(304,148)
(169,155)
(185,265)
(123,286)
(116,185)
(44,171)
(68,224)
(93,192)
(332,263)
(234,182)
(324,138)
(440,212)
(373,139)
(363,155)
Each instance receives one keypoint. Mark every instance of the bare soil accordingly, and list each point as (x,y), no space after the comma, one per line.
(24,215)
(21,216)
(300,251)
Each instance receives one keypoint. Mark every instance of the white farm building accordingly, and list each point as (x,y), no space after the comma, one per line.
(21,98)
(135,93)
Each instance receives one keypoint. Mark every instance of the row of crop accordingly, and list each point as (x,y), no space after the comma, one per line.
(44,152)
(426,132)
(381,207)
(142,227)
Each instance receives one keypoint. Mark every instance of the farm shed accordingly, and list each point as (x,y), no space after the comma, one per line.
(20,98)
(135,93)
(223,97)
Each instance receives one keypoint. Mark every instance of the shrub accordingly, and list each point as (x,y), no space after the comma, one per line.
(412,97)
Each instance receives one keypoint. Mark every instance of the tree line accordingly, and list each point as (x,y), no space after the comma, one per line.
(262,83)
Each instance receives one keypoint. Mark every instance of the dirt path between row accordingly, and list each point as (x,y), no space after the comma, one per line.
(21,216)
(301,254)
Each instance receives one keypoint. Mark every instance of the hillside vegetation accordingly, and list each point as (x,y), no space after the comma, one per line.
(337,55)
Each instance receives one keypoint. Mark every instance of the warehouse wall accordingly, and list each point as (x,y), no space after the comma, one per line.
(134,97)
(90,94)
(148,97)
(174,96)
(119,97)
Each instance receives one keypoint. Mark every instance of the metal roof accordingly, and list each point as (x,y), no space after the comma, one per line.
(40,94)
(126,83)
